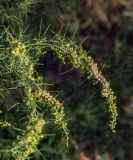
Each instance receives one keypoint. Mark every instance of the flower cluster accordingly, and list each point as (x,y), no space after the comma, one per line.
(20,55)
(25,145)
(49,98)
(57,110)
(18,48)
(31,72)
(4,124)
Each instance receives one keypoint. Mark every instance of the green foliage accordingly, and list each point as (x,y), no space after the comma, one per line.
(10,8)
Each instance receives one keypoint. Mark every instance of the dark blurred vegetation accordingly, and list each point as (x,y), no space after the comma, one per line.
(105,29)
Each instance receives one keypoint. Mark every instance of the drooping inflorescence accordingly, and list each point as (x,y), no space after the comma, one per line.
(69,52)
(57,110)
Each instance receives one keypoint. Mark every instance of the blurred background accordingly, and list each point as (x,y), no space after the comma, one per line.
(105,29)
